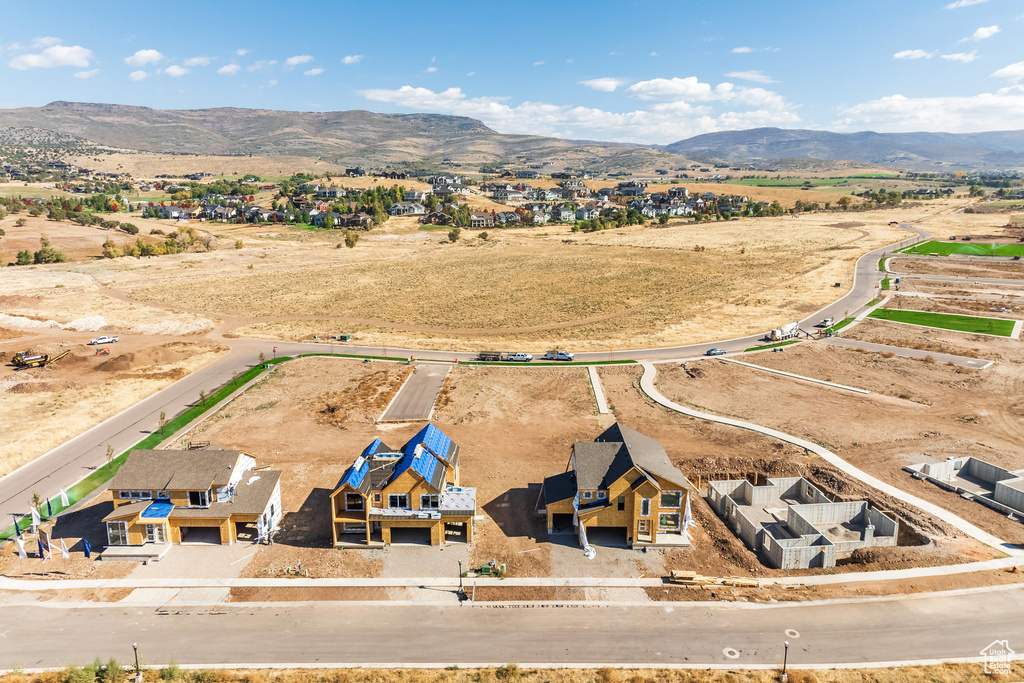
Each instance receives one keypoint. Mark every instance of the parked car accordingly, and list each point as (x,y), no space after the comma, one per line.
(559,355)
(715,352)
(103,340)
(520,357)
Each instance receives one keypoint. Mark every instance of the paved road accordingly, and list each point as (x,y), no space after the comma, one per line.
(954,278)
(941,626)
(415,400)
(943,358)
(68,463)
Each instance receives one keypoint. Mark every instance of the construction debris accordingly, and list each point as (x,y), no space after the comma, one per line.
(690,578)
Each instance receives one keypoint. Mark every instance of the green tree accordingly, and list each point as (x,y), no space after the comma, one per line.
(20,222)
(110,249)
(844,202)
(329,222)
(57,214)
(47,253)
(663,218)
(129,228)
(163,421)
(454,234)
(24,258)
(351,238)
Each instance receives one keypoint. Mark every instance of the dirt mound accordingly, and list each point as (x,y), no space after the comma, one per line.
(42,387)
(160,355)
(847,224)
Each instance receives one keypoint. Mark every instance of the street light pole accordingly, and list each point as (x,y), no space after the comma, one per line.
(138,671)
(462,591)
(785,658)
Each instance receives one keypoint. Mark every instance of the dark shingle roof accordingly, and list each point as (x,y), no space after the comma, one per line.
(250,499)
(194,470)
(559,487)
(614,452)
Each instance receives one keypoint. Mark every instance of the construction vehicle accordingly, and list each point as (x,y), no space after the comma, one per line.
(103,352)
(22,360)
(785,332)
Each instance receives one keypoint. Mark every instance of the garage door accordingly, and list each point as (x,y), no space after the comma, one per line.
(200,534)
(410,535)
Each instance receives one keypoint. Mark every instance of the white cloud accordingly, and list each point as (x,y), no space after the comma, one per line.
(430,69)
(55,55)
(987,111)
(351,59)
(137,75)
(913,54)
(261,64)
(662,122)
(86,74)
(654,54)
(229,69)
(241,52)
(292,62)
(45,41)
(273,82)
(755,76)
(742,50)
(198,61)
(539,63)
(962,57)
(471,73)
(313,72)
(964,3)
(175,71)
(1012,72)
(604,84)
(144,57)
(982,33)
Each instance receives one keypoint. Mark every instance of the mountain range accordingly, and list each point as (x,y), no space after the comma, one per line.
(362,137)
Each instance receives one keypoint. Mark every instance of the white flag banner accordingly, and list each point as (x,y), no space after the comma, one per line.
(64,549)
(35,517)
(21,547)
(64,498)
(688,519)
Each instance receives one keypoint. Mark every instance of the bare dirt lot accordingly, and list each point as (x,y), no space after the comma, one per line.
(78,242)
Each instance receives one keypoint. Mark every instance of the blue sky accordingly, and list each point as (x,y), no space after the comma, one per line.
(653,71)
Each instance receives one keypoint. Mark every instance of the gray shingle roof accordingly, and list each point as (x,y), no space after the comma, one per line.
(614,452)
(194,470)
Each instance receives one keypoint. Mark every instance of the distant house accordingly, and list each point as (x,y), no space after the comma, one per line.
(508,217)
(438,218)
(416,195)
(481,220)
(624,483)
(356,172)
(563,214)
(332,192)
(409,495)
(509,194)
(586,213)
(204,495)
(527,174)
(407,209)
(678,192)
(320,219)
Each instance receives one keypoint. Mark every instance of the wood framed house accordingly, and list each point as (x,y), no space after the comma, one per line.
(205,495)
(621,487)
(409,495)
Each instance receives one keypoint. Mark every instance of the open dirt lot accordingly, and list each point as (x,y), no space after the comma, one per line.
(78,242)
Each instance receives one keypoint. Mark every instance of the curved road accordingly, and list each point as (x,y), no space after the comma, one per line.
(903,629)
(71,461)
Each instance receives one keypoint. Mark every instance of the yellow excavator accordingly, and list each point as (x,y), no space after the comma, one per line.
(25,360)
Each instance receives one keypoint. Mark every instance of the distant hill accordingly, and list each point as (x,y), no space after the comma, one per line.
(1003,149)
(352,137)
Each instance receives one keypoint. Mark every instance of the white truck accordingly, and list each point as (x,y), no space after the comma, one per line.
(785,332)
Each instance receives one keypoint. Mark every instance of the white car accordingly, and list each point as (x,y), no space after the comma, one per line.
(520,357)
(103,340)
(559,355)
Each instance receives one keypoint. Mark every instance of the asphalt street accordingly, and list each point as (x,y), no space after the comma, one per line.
(901,629)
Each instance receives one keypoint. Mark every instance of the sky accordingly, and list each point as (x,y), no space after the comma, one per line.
(650,72)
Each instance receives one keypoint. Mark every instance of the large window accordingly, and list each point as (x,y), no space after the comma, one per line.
(136,495)
(398,500)
(645,507)
(669,521)
(671,499)
(430,501)
(354,501)
(117,533)
(199,499)
(155,533)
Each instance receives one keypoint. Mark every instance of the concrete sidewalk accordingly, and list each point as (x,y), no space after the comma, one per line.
(794,376)
(595,383)
(647,385)
(943,358)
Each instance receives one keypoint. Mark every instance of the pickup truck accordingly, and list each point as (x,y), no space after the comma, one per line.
(559,355)
(103,340)
(520,357)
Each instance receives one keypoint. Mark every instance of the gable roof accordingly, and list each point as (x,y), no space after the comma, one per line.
(429,454)
(175,470)
(617,450)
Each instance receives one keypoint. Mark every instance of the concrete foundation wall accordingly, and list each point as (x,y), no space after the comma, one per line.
(886,528)
(986,471)
(1009,496)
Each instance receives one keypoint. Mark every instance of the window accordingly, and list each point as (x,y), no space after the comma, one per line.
(376,497)
(398,500)
(155,533)
(163,495)
(353,528)
(671,499)
(199,499)
(354,501)
(586,495)
(669,521)
(645,507)
(430,501)
(602,495)
(136,495)
(117,533)
(622,502)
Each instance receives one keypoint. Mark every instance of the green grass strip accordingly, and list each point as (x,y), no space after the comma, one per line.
(549,364)
(969,248)
(873,302)
(840,325)
(351,355)
(881,263)
(947,321)
(772,346)
(105,473)
(886,284)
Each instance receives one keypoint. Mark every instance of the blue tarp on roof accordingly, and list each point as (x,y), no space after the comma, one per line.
(433,441)
(355,476)
(372,448)
(157,510)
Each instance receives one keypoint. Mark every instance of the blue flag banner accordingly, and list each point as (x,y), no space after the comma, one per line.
(88,547)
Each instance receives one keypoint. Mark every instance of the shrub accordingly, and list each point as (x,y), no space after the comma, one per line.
(239,244)
(129,228)
(113,672)
(24,258)
(110,249)
(48,254)
(351,238)
(20,222)
(508,672)
(156,231)
(171,672)
(484,235)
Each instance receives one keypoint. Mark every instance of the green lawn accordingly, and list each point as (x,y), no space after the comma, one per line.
(771,346)
(809,182)
(886,283)
(973,248)
(840,325)
(947,321)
